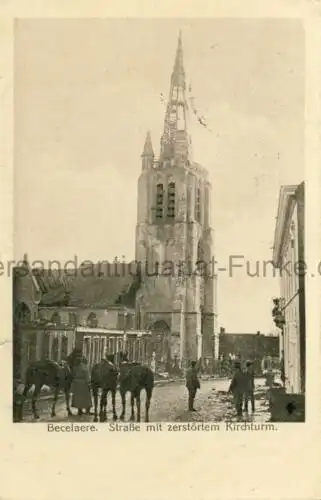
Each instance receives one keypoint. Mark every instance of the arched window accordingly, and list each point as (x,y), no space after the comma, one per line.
(31,345)
(160,342)
(55,318)
(171,200)
(46,345)
(64,347)
(198,205)
(92,320)
(159,201)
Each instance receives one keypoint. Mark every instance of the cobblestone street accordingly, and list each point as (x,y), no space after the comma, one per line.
(214,404)
(169,404)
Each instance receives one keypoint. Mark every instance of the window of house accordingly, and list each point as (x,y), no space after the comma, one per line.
(171,200)
(55,318)
(23,313)
(159,201)
(198,205)
(32,347)
(92,321)
(72,319)
(64,347)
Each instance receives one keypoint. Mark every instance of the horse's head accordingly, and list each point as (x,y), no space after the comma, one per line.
(64,370)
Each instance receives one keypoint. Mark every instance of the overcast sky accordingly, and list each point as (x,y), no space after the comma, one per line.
(86,92)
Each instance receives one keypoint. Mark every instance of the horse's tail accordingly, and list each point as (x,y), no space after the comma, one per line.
(149,382)
(148,377)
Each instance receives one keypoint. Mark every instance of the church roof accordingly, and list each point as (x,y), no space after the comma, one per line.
(95,286)
(148,147)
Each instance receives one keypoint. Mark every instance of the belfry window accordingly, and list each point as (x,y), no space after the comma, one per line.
(159,201)
(171,200)
(198,205)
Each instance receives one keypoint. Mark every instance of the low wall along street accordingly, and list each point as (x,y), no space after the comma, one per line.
(163,427)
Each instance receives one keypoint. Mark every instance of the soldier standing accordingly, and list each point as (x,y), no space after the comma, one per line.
(249,387)
(192,384)
(237,388)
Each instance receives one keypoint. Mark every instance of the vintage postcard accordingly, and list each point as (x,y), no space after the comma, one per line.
(163,285)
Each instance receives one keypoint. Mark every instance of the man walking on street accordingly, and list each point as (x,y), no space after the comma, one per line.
(249,387)
(237,388)
(192,384)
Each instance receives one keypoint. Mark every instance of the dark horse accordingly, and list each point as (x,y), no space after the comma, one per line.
(134,377)
(58,376)
(104,376)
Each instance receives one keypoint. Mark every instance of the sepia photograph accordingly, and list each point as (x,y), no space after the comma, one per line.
(159,222)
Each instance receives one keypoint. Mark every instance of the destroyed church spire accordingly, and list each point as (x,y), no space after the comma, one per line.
(175,140)
(178,75)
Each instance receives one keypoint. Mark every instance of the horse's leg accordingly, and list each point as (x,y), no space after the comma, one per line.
(113,398)
(35,394)
(103,398)
(53,409)
(123,401)
(89,407)
(67,396)
(95,397)
(138,404)
(147,405)
(132,402)
(105,405)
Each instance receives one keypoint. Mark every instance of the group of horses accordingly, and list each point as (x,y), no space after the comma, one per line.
(105,377)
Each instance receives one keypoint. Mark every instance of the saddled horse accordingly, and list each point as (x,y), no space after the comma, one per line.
(57,376)
(133,378)
(104,376)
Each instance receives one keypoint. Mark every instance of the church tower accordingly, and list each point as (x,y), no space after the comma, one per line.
(174,238)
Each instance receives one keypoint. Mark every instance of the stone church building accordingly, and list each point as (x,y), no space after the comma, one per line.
(174,238)
(168,293)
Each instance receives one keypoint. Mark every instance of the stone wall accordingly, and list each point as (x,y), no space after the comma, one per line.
(112,318)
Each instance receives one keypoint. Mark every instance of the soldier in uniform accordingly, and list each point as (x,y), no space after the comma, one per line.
(237,388)
(249,386)
(192,384)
